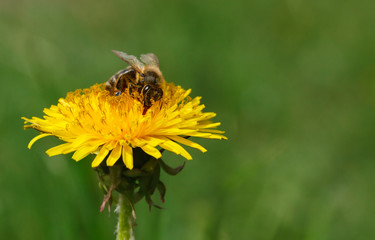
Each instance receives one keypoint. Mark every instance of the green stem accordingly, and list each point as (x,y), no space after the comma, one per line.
(125,219)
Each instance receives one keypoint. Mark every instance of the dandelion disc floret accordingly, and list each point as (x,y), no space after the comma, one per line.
(94,121)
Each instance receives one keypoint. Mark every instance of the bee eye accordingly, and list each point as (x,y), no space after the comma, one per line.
(118,93)
(146,88)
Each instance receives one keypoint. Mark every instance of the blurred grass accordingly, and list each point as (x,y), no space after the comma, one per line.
(292,83)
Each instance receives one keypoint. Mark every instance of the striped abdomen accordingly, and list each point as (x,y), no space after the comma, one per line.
(120,81)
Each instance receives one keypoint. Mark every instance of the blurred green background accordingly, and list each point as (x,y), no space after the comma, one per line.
(291,81)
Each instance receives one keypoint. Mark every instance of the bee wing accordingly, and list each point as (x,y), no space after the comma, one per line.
(150,59)
(131,60)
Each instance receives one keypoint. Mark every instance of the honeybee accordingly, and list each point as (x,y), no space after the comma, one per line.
(144,78)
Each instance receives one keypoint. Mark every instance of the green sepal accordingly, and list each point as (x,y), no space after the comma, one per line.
(151,203)
(134,173)
(162,190)
(170,170)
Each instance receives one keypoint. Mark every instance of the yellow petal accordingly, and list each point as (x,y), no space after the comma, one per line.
(37,138)
(212,131)
(153,141)
(208,125)
(138,143)
(114,156)
(151,151)
(26,119)
(111,145)
(100,157)
(83,152)
(187,142)
(176,148)
(207,135)
(206,116)
(187,93)
(127,156)
(82,139)
(60,149)
(174,131)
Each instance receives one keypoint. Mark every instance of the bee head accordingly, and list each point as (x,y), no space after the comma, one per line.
(151,95)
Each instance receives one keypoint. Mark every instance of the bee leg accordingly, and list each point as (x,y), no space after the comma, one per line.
(157,94)
(131,88)
(118,93)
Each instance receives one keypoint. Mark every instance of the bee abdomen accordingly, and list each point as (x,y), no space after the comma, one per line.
(120,80)
(110,84)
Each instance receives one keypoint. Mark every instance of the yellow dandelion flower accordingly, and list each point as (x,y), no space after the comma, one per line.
(94,121)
